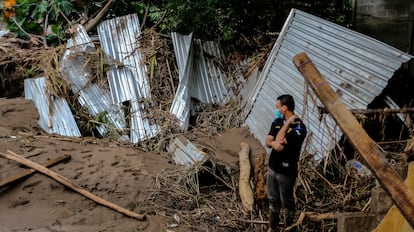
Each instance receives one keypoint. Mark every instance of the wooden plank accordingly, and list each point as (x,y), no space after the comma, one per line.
(63,180)
(393,220)
(28,172)
(386,175)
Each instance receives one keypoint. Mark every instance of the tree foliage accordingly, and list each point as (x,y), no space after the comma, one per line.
(209,19)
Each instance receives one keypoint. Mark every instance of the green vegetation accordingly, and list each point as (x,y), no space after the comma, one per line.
(225,20)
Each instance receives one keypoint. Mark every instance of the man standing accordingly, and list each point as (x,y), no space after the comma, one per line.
(285,137)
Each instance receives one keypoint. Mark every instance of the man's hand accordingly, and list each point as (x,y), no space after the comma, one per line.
(279,145)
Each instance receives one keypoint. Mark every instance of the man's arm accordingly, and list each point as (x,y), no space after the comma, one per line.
(269,140)
(282,132)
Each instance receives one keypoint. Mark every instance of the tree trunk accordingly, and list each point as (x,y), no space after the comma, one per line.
(246,193)
(259,179)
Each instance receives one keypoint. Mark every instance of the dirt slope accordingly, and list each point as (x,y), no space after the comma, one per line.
(118,173)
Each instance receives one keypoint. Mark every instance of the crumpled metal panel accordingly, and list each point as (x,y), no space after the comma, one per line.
(199,75)
(183,52)
(127,79)
(356,66)
(141,127)
(55,116)
(91,96)
(209,83)
(119,41)
(184,152)
(98,102)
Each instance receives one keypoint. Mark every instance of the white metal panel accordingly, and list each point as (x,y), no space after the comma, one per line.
(127,78)
(55,116)
(90,95)
(357,67)
(183,52)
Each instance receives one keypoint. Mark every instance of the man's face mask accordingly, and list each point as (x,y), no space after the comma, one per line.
(278,114)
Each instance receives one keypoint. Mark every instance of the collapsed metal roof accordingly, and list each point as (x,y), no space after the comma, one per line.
(209,84)
(127,79)
(180,106)
(55,116)
(90,95)
(356,66)
(199,76)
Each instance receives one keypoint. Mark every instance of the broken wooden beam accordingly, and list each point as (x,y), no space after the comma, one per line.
(28,172)
(386,175)
(63,180)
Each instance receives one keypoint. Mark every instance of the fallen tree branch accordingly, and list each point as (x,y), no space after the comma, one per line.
(92,22)
(68,183)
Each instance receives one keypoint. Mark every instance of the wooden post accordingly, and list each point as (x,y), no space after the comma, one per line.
(68,183)
(386,175)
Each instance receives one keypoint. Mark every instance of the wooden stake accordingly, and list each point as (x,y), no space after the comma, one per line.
(28,172)
(246,192)
(68,183)
(386,175)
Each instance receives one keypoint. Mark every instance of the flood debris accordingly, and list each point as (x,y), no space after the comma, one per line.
(200,78)
(356,66)
(394,220)
(127,77)
(55,116)
(386,175)
(185,152)
(76,71)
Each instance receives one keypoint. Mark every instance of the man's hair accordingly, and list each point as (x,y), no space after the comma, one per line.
(288,101)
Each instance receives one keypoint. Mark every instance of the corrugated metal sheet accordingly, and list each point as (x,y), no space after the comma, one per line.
(55,116)
(356,66)
(127,79)
(209,83)
(91,96)
(98,102)
(181,104)
(184,152)
(199,75)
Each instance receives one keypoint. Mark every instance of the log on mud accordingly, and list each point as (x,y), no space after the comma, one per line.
(245,189)
(259,179)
